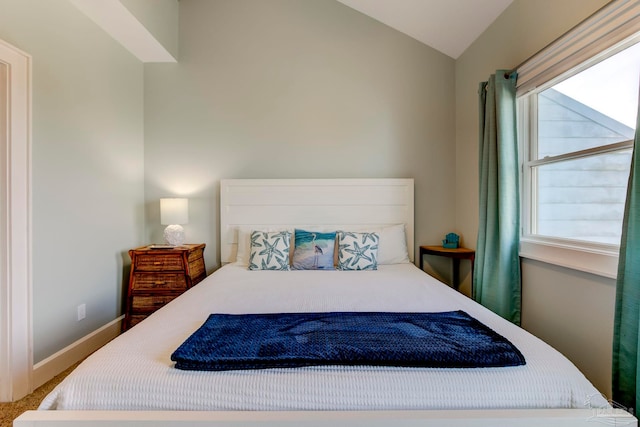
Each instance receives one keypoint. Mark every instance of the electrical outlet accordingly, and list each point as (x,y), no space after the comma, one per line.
(82,311)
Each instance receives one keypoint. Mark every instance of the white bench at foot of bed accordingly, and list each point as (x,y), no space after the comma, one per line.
(441,418)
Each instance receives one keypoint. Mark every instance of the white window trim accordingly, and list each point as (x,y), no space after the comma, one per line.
(591,257)
(578,255)
(609,30)
(601,260)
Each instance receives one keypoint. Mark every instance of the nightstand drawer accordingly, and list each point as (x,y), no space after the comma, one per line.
(163,281)
(162,262)
(149,303)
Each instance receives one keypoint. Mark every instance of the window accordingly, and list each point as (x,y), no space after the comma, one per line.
(576,130)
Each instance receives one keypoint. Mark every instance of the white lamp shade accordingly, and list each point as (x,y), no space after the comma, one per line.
(174,211)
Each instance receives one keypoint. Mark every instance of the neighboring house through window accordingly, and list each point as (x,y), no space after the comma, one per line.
(579,175)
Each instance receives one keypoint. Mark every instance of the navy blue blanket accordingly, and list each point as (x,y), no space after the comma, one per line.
(259,341)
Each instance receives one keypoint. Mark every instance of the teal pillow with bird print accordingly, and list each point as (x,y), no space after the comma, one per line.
(313,250)
(269,250)
(357,251)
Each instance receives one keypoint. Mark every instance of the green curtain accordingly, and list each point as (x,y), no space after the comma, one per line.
(627,316)
(496,283)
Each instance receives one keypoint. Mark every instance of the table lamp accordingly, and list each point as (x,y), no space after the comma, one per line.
(173,213)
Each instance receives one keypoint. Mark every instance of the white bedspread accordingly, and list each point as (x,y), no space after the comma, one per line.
(134,371)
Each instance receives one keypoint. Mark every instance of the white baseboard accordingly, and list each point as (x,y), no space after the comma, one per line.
(51,366)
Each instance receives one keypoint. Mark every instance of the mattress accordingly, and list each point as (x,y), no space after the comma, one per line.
(134,371)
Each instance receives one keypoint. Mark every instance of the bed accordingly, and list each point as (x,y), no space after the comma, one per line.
(133,378)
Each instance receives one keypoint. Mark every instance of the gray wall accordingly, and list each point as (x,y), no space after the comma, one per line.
(295,89)
(87,166)
(572,311)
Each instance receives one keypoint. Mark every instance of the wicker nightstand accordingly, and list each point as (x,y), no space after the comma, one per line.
(160,275)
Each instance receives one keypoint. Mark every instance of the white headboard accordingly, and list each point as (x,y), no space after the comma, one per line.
(339,203)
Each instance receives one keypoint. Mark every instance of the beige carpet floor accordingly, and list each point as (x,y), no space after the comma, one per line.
(10,411)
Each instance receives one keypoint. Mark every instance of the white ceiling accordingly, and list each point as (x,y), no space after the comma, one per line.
(449,26)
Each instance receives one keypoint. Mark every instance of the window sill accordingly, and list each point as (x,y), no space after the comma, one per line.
(599,260)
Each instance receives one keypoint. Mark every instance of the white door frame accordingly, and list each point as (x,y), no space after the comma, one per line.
(16,349)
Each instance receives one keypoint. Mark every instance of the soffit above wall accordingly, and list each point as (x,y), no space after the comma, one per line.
(113,17)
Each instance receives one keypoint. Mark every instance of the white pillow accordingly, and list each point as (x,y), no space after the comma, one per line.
(392,248)
(244,246)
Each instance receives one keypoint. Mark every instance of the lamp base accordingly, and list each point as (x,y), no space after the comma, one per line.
(174,235)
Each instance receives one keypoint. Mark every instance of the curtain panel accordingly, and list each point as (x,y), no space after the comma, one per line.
(627,315)
(496,283)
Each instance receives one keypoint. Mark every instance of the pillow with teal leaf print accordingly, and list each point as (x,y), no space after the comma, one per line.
(313,250)
(269,250)
(357,251)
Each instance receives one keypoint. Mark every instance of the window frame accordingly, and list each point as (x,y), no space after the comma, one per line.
(592,257)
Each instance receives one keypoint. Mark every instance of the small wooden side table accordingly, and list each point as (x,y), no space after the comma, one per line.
(456,255)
